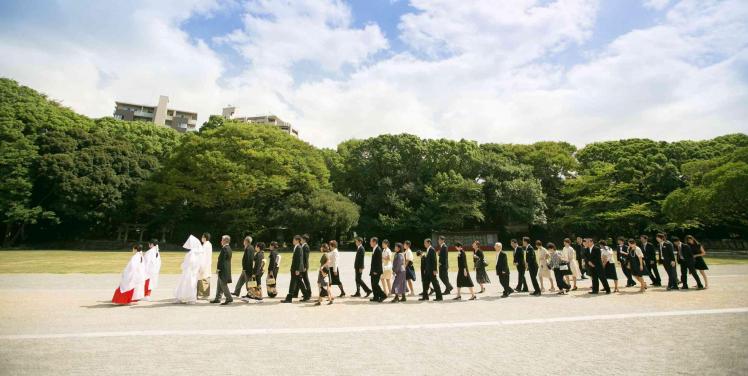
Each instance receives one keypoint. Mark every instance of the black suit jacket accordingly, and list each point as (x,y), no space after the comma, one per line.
(223,268)
(360,253)
(532,261)
(443,257)
(596,257)
(649,252)
(297,260)
(686,254)
(586,256)
(248,260)
(622,253)
(578,251)
(376,261)
(424,266)
(519,257)
(666,252)
(305,248)
(502,266)
(431,262)
(258,262)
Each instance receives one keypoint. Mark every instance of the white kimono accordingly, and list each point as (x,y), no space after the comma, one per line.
(186,291)
(133,277)
(207,261)
(571,256)
(152,267)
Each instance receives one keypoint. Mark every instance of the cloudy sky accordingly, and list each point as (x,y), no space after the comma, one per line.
(492,71)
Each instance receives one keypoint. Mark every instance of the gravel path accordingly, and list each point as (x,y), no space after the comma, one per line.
(73,305)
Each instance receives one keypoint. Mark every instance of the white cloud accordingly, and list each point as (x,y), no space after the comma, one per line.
(656,4)
(473,69)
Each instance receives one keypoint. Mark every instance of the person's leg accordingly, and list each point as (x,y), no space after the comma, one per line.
(444,276)
(603,280)
(521,281)
(534,280)
(242,280)
(435,286)
(542,284)
(308,291)
(425,287)
(581,268)
(378,293)
(695,275)
(654,274)
(595,280)
(684,275)
(672,278)
(410,287)
(223,288)
(706,281)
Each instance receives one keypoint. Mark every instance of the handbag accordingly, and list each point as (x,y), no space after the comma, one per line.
(251,284)
(270,281)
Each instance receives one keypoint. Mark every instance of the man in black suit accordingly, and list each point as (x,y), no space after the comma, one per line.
(595,267)
(297,267)
(502,270)
(444,265)
(532,265)
(431,271)
(685,259)
(521,265)
(425,279)
(578,248)
(307,287)
(376,270)
(622,254)
(223,269)
(667,257)
(650,257)
(247,265)
(358,265)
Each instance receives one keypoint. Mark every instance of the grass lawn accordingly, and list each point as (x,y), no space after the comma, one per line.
(63,262)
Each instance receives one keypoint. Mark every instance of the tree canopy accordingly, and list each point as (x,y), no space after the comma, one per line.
(66,176)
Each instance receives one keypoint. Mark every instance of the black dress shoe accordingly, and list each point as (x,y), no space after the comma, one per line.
(438,299)
(342,295)
(367,294)
(473,298)
(447,292)
(285,301)
(356,295)
(504,295)
(373,300)
(423,298)
(525,290)
(457,298)
(593,292)
(227,302)
(215,301)
(235,294)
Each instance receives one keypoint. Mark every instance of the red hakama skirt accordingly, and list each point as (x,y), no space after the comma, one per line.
(147,290)
(122,298)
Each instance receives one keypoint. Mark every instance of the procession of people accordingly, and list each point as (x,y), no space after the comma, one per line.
(392,271)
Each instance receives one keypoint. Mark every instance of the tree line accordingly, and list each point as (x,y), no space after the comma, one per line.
(69,177)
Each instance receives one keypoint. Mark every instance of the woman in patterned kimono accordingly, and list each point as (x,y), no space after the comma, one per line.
(400,271)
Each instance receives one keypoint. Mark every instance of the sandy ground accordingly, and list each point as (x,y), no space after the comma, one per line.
(63,324)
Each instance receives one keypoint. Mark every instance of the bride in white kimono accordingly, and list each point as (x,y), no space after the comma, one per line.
(186,291)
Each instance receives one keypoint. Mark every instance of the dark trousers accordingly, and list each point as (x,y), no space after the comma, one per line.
(425,282)
(672,277)
(294,286)
(378,292)
(598,276)
(581,267)
(534,278)
(444,276)
(360,284)
(627,273)
(504,280)
(304,286)
(654,273)
(432,280)
(223,288)
(686,268)
(242,281)
(521,281)
(560,282)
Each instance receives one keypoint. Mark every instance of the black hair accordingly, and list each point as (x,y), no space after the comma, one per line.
(137,246)
(206,235)
(260,245)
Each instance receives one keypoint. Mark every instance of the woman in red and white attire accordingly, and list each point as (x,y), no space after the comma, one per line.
(152,262)
(132,284)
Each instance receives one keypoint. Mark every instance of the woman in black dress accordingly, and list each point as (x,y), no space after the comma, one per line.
(273,266)
(479,260)
(637,264)
(463,276)
(698,257)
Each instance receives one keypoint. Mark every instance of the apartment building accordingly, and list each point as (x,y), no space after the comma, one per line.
(160,114)
(228,113)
